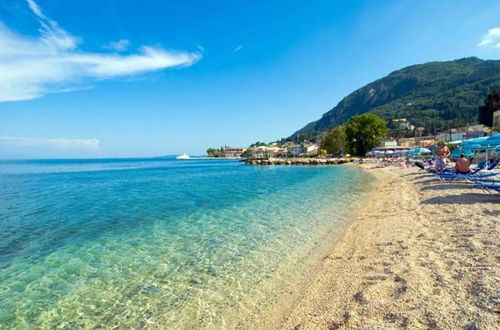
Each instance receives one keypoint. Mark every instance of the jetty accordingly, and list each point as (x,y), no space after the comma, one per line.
(298,161)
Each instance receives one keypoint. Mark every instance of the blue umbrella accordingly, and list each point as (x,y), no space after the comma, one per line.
(472,146)
(458,151)
(419,151)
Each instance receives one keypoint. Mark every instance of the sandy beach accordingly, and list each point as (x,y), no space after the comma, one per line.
(421,254)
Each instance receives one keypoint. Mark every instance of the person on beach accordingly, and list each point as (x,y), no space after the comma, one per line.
(442,154)
(462,165)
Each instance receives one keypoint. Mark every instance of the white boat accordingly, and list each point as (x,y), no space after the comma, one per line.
(183,156)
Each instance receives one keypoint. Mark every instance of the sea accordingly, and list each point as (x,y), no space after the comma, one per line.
(165,243)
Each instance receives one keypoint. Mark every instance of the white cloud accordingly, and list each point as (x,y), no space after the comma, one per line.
(33,67)
(120,45)
(58,143)
(238,48)
(491,38)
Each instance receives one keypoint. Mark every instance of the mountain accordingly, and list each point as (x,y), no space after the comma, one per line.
(432,95)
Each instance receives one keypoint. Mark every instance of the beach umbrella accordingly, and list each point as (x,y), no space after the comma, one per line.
(374,153)
(472,146)
(419,151)
(474,140)
(458,151)
(388,152)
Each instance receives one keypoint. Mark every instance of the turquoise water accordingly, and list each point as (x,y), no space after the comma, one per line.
(163,243)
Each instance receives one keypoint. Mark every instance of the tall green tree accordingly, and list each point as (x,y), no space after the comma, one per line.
(491,104)
(363,133)
(335,141)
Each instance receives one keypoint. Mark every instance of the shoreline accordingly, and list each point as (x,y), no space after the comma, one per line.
(420,254)
(299,161)
(269,311)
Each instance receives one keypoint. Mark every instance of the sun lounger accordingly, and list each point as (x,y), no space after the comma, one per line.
(488,187)
(492,166)
(454,176)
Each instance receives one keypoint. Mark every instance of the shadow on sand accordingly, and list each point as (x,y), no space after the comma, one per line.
(468,198)
(493,213)
(426,182)
(445,186)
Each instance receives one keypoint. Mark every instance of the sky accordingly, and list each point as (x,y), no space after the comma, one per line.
(130,78)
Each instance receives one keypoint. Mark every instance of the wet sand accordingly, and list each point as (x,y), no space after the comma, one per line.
(421,254)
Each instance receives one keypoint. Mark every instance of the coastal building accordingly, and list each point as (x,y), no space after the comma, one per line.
(420,130)
(311,149)
(496,118)
(388,143)
(231,152)
(451,135)
(407,142)
(295,149)
(427,141)
(403,123)
(276,151)
(463,133)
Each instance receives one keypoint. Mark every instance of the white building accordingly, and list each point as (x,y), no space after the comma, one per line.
(496,118)
(311,148)
(388,143)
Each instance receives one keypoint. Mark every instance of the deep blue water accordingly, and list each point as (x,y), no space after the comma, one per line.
(160,242)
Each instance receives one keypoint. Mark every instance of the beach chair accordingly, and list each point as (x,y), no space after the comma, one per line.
(492,165)
(488,187)
(454,176)
(429,167)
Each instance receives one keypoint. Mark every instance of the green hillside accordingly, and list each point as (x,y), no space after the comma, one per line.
(432,95)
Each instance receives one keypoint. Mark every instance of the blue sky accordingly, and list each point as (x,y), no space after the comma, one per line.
(118,78)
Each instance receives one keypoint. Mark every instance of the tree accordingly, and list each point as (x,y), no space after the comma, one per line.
(258,144)
(496,128)
(211,152)
(335,141)
(363,133)
(491,104)
(460,123)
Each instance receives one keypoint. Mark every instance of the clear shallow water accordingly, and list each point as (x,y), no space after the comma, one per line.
(160,242)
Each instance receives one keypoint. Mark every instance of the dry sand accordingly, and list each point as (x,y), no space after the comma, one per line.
(422,254)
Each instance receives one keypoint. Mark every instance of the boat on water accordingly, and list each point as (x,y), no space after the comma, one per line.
(182,157)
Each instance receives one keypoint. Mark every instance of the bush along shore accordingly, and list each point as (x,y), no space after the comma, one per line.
(298,161)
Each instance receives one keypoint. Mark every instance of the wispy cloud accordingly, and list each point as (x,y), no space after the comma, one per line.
(119,46)
(52,62)
(238,48)
(59,143)
(491,38)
